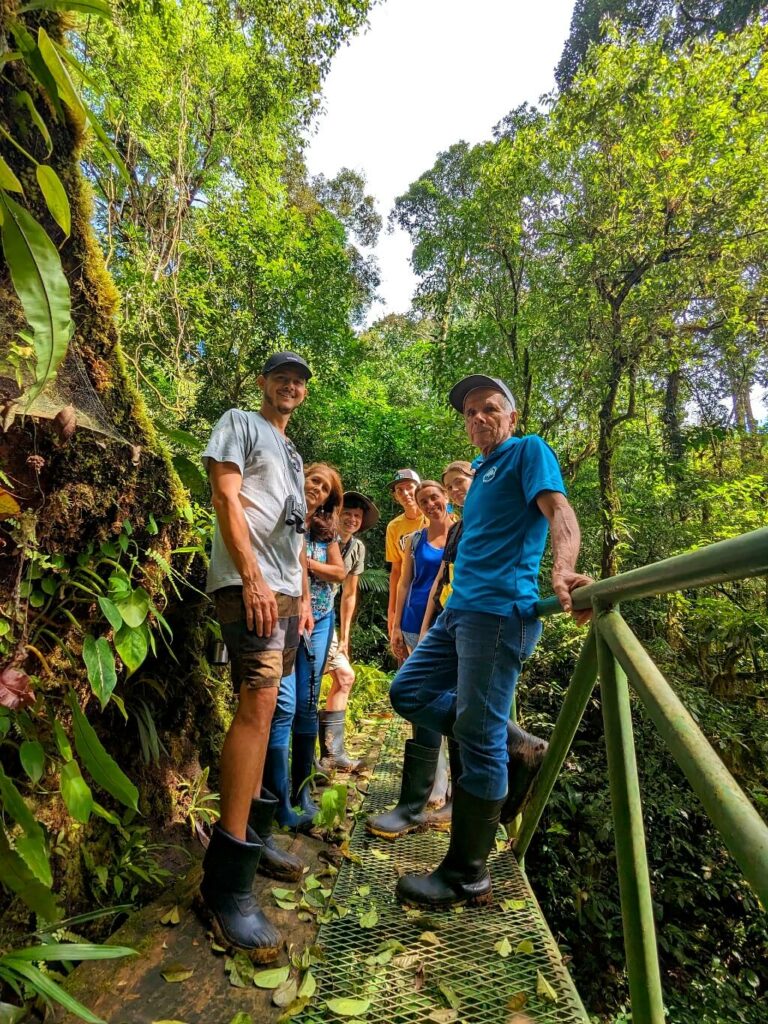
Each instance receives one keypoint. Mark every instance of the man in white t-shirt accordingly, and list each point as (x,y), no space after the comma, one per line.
(258,580)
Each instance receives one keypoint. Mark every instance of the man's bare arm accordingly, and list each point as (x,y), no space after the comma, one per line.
(566,541)
(260,604)
(394,580)
(306,619)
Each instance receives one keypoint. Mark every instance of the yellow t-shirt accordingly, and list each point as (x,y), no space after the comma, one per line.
(397,529)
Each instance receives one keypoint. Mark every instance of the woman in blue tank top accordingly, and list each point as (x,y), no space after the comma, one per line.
(422,556)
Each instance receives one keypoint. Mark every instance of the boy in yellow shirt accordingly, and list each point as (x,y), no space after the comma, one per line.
(403,489)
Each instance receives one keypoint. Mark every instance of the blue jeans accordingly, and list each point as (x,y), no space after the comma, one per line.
(296,708)
(460,682)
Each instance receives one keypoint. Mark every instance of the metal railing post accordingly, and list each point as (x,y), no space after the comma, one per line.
(575,702)
(728,807)
(634,882)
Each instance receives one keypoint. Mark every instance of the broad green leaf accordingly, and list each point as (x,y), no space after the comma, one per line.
(32,757)
(271,978)
(62,740)
(544,990)
(10,1014)
(172,917)
(503,947)
(308,986)
(132,646)
(55,196)
(24,98)
(180,437)
(526,946)
(189,474)
(17,877)
(35,63)
(97,761)
(100,665)
(134,607)
(65,85)
(108,145)
(348,1007)
(99,8)
(449,995)
(41,286)
(8,179)
(44,984)
(75,792)
(443,1016)
(369,919)
(72,951)
(429,939)
(110,612)
(31,846)
(241,1017)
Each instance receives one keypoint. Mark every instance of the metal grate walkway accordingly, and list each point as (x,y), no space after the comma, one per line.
(450,966)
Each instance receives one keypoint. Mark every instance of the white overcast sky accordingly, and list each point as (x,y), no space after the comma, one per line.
(426,74)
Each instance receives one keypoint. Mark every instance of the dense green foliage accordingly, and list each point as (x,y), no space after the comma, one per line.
(606,255)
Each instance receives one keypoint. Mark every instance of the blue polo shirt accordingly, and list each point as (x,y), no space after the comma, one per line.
(497,566)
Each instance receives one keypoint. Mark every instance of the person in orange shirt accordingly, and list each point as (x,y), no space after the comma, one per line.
(403,489)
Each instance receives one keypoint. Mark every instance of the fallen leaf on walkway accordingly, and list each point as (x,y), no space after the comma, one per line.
(503,947)
(394,944)
(443,1016)
(176,972)
(429,939)
(513,904)
(407,960)
(285,994)
(544,989)
(284,894)
(369,919)
(517,1001)
(271,978)
(293,1010)
(308,986)
(310,882)
(172,917)
(363,890)
(449,995)
(379,854)
(286,904)
(241,1017)
(458,910)
(526,946)
(304,916)
(240,970)
(348,1007)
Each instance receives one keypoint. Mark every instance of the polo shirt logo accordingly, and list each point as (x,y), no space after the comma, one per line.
(489,475)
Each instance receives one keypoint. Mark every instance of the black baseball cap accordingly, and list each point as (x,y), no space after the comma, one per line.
(458,393)
(404,474)
(355,499)
(279,359)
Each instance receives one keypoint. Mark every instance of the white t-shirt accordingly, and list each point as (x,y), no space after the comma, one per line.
(273,475)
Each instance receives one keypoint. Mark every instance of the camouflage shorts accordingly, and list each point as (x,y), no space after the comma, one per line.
(257,661)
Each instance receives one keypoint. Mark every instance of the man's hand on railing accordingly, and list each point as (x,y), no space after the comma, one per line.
(564,582)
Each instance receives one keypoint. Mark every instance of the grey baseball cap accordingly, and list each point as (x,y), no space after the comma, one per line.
(458,393)
(292,359)
(404,474)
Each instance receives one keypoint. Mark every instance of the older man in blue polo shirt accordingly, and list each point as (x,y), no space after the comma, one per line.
(461,678)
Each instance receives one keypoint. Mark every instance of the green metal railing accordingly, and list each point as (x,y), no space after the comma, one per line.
(614,653)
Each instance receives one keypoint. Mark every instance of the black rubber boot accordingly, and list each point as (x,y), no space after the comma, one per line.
(463,875)
(277,780)
(419,767)
(526,753)
(226,902)
(302,766)
(441,820)
(275,862)
(333,753)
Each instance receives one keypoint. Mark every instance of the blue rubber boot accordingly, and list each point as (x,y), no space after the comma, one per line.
(276,780)
(302,766)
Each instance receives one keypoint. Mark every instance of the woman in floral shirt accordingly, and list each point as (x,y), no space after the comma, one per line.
(295,717)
